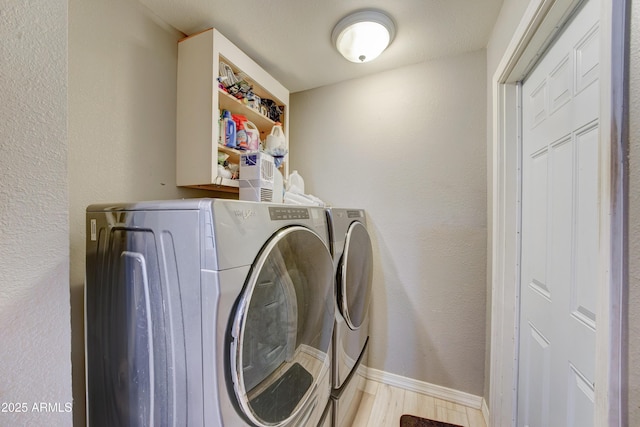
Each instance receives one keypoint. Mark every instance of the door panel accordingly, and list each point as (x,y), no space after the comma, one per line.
(281,332)
(538,234)
(580,402)
(560,223)
(537,374)
(356,271)
(583,298)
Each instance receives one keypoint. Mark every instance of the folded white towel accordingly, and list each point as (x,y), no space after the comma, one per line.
(301,199)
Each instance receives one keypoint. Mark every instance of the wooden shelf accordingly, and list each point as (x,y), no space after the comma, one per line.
(231,103)
(234,155)
(226,186)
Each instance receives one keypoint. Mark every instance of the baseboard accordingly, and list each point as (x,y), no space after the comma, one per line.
(444,393)
(485,412)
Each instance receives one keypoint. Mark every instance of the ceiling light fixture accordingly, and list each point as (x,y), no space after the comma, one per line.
(363,35)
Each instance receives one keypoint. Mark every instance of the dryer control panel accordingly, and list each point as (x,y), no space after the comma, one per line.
(287,213)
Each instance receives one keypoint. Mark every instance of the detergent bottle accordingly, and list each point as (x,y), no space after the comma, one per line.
(276,138)
(229,129)
(253,135)
(295,183)
(241,134)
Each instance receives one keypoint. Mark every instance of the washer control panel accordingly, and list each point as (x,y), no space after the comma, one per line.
(286,213)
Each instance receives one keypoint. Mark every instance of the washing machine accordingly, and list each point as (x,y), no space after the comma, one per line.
(208,312)
(352,253)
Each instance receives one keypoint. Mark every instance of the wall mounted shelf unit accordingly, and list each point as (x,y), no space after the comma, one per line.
(200,101)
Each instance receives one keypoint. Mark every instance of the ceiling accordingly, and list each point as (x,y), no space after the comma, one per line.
(291,39)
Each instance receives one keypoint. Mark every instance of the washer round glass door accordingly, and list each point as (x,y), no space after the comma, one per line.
(355,276)
(281,333)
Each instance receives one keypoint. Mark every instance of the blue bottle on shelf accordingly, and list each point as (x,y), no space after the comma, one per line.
(229,129)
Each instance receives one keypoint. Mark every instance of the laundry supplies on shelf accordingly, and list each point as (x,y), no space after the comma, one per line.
(229,129)
(276,144)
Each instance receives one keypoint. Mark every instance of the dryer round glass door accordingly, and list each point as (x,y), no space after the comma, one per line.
(355,276)
(281,334)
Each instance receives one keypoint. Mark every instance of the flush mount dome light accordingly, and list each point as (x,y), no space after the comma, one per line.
(364,35)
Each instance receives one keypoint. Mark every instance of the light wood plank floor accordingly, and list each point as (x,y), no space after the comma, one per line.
(382,405)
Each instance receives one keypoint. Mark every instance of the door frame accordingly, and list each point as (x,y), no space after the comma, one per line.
(540,23)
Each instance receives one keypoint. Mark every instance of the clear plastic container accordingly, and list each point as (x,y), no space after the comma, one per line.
(295,183)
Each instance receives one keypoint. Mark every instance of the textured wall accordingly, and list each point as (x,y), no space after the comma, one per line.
(634,223)
(408,146)
(35,334)
(122,109)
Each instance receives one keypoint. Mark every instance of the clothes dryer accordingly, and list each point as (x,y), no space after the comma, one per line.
(353,266)
(208,313)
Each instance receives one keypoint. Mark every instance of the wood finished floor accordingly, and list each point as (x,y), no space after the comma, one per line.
(382,406)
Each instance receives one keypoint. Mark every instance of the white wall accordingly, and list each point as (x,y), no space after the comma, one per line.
(408,145)
(122,101)
(35,335)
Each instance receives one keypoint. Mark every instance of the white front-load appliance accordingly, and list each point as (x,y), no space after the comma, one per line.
(353,265)
(208,312)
